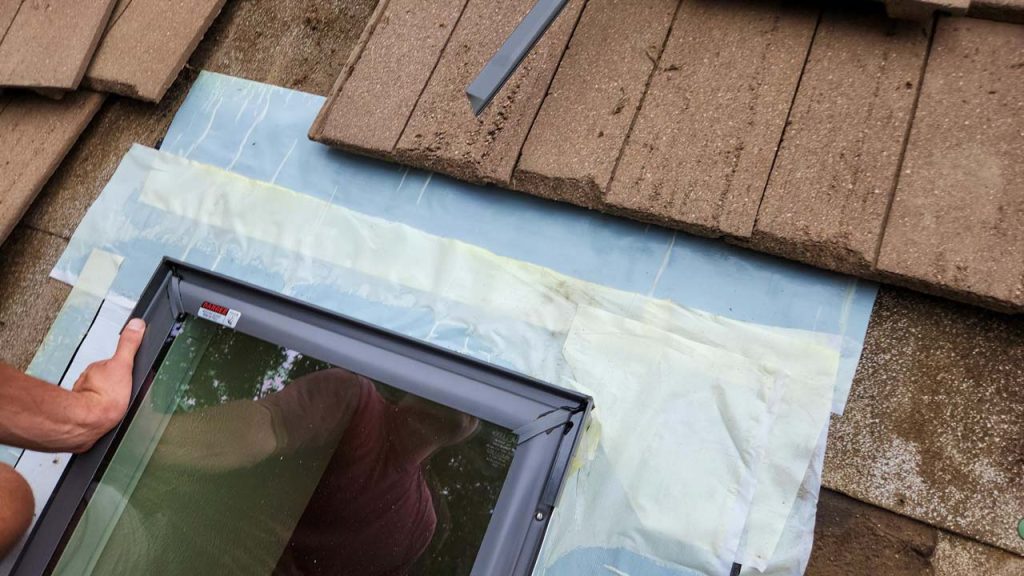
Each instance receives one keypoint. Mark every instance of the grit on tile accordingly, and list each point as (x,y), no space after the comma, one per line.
(37,132)
(49,43)
(955,556)
(738,125)
(956,220)
(372,101)
(582,125)
(830,189)
(136,61)
(704,141)
(8,9)
(29,299)
(443,134)
(300,44)
(934,428)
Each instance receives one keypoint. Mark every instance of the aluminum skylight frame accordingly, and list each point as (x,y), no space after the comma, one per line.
(500,67)
(547,420)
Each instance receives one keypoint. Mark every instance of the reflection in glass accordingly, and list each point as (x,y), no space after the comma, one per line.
(247,458)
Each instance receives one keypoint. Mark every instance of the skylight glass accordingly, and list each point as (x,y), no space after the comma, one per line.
(244,457)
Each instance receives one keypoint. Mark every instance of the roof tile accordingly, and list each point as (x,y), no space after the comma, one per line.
(700,153)
(832,182)
(443,134)
(583,123)
(956,220)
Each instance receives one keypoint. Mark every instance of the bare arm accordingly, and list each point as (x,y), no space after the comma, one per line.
(41,416)
(310,413)
(220,438)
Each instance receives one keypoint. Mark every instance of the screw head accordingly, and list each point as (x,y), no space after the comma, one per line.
(539,516)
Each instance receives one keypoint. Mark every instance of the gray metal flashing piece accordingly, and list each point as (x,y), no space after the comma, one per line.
(548,420)
(498,69)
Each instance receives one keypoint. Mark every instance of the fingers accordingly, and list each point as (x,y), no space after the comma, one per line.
(131,339)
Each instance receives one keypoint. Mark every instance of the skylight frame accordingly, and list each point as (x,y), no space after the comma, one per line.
(547,420)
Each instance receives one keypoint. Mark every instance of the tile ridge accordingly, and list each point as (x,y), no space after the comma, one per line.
(785,124)
(440,56)
(643,98)
(316,128)
(905,145)
(547,90)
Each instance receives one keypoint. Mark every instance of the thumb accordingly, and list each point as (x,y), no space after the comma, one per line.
(131,339)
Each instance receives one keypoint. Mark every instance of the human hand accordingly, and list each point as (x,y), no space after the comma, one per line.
(102,392)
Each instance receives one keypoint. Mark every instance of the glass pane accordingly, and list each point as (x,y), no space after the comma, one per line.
(247,458)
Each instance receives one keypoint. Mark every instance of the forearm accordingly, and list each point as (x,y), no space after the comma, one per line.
(229,436)
(310,414)
(41,416)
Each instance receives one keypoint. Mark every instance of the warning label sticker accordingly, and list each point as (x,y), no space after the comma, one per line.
(219,314)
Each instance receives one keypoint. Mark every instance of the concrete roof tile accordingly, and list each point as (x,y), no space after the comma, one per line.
(8,9)
(29,299)
(35,134)
(935,419)
(443,133)
(699,155)
(1005,10)
(583,123)
(852,537)
(49,43)
(957,219)
(832,182)
(147,44)
(375,97)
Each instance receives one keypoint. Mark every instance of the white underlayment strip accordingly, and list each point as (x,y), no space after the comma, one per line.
(526,311)
(75,316)
(670,396)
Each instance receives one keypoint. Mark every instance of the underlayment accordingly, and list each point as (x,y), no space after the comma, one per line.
(207,119)
(408,260)
(259,131)
(271,168)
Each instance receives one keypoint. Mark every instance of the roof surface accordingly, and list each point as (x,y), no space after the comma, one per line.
(825,133)
(959,360)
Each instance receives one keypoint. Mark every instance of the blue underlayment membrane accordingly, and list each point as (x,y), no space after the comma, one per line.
(633,274)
